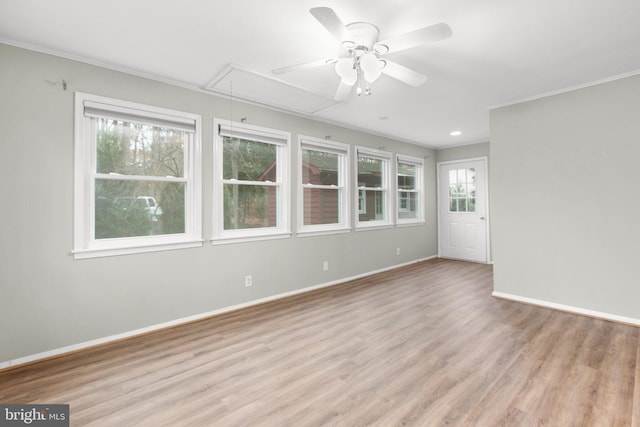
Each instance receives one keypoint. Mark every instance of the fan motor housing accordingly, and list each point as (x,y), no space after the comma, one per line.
(364,35)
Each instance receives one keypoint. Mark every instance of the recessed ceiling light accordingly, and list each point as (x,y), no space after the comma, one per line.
(456,133)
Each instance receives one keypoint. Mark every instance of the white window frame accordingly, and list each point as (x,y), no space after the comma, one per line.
(386,158)
(419,190)
(343,151)
(282,141)
(87,108)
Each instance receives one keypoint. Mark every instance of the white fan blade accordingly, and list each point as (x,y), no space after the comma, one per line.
(411,39)
(343,91)
(328,18)
(304,66)
(404,74)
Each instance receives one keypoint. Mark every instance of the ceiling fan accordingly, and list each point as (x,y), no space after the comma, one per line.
(362,59)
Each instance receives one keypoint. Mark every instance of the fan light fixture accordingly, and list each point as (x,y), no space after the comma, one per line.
(363,65)
(363,69)
(347,71)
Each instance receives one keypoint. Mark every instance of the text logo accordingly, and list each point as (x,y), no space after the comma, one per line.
(34,415)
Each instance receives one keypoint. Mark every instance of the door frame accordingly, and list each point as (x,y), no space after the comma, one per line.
(484,159)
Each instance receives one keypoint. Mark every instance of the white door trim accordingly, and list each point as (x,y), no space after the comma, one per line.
(483,159)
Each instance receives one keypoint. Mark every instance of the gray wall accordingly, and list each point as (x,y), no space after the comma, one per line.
(564,198)
(463,152)
(49,301)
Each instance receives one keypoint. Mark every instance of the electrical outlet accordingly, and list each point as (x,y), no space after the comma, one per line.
(248,281)
(325,265)
(398,251)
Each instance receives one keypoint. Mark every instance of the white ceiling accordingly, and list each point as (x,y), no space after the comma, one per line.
(501,51)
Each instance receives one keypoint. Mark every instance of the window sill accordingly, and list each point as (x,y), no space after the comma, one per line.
(312,233)
(245,239)
(410,224)
(106,252)
(378,226)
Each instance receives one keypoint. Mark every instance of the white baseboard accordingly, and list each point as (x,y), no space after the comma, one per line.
(569,309)
(188,319)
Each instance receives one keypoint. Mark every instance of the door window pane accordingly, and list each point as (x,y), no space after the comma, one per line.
(462,190)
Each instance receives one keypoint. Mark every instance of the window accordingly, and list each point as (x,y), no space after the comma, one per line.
(137,178)
(462,190)
(373,187)
(251,193)
(409,175)
(323,202)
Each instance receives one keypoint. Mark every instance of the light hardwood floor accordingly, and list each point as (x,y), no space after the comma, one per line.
(423,345)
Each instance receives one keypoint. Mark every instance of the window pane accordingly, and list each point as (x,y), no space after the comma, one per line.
(137,149)
(138,208)
(319,167)
(370,172)
(246,160)
(453,205)
(250,206)
(362,202)
(471,190)
(379,205)
(371,205)
(471,206)
(406,169)
(453,177)
(471,175)
(462,176)
(406,176)
(321,206)
(462,205)
(408,205)
(403,200)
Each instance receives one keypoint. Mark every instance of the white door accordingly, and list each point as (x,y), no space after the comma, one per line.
(462,210)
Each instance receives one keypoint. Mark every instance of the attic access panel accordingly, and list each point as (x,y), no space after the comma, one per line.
(247,85)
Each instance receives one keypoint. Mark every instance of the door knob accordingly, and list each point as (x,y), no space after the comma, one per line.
(482,218)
